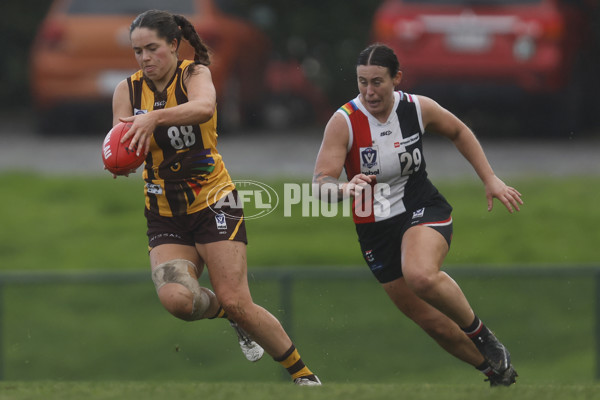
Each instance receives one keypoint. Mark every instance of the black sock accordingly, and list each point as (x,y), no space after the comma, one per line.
(485,369)
(474,329)
(477,332)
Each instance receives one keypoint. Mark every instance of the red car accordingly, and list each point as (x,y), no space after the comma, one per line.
(82,50)
(539,56)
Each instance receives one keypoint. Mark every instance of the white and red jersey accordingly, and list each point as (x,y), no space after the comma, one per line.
(393,152)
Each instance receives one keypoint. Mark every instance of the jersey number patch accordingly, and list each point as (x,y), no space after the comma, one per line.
(181,136)
(410,163)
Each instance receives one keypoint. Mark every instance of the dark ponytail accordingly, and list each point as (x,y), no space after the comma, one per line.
(201,53)
(169,27)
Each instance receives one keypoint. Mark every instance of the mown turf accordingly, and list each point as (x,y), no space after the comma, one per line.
(97,223)
(268,391)
(347,330)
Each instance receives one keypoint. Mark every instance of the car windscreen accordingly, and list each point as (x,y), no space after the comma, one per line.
(129,7)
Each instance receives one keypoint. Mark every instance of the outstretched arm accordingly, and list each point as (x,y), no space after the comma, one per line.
(439,120)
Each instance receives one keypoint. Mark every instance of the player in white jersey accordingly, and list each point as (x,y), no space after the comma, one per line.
(403,223)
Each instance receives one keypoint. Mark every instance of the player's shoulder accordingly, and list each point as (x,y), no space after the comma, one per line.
(349,107)
(122,85)
(337,122)
(407,97)
(121,92)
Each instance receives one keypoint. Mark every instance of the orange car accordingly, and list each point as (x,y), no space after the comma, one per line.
(82,51)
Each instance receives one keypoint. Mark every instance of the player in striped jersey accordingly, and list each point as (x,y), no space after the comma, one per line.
(404,224)
(172,105)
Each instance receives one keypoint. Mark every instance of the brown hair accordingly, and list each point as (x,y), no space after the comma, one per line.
(380,55)
(171,26)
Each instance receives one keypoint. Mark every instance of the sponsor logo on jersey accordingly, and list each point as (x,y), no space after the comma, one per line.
(385,133)
(411,139)
(221,221)
(153,188)
(160,104)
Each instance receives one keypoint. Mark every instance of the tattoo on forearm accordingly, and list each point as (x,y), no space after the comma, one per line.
(327,188)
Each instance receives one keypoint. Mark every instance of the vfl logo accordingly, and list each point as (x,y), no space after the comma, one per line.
(221,222)
(419,213)
(137,111)
(153,188)
(368,156)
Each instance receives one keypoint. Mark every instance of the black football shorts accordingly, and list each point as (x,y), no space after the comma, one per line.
(381,241)
(205,226)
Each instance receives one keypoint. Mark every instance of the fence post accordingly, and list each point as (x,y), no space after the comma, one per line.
(1,330)
(287,318)
(597,321)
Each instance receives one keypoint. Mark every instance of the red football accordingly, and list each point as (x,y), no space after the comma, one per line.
(117,157)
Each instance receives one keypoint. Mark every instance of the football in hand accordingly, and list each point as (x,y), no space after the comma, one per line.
(117,157)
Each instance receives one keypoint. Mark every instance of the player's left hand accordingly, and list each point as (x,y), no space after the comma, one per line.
(509,196)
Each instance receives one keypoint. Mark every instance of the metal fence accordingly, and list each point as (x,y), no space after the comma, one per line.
(285,277)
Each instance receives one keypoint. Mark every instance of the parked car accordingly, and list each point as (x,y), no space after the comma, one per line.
(538,56)
(82,50)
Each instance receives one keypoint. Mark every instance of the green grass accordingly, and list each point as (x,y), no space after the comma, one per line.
(97,223)
(261,391)
(346,329)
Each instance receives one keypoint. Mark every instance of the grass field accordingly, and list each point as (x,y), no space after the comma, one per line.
(72,221)
(264,391)
(119,337)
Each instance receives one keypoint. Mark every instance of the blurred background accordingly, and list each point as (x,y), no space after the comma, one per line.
(76,300)
(530,65)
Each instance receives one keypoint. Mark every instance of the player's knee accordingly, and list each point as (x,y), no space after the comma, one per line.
(177,300)
(179,292)
(420,283)
(237,309)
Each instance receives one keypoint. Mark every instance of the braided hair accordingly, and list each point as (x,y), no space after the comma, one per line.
(171,26)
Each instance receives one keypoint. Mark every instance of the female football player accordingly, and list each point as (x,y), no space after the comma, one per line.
(171,104)
(404,224)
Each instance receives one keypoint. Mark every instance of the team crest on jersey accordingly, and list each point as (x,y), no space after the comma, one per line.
(369,160)
(221,221)
(368,155)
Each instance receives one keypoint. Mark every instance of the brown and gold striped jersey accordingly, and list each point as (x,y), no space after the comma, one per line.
(184,172)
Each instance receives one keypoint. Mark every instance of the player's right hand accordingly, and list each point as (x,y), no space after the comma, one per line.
(357,184)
